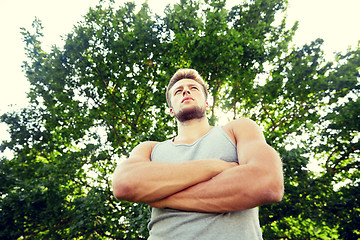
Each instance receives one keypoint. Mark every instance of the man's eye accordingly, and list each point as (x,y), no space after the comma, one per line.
(194,88)
(177,91)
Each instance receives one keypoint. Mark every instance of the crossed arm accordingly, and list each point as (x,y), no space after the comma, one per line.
(210,185)
(137,179)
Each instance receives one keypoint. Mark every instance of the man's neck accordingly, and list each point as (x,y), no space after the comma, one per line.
(192,130)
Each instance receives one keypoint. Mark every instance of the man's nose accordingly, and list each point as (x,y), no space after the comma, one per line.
(186,92)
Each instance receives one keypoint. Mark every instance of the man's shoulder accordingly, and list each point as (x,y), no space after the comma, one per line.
(243,129)
(146,146)
(239,123)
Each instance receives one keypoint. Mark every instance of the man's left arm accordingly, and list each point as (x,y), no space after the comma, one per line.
(258,179)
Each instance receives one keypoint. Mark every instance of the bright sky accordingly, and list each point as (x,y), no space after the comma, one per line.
(334,21)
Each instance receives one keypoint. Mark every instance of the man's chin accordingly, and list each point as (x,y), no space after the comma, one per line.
(188,114)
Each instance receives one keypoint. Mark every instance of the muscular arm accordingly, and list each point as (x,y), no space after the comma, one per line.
(256,181)
(137,179)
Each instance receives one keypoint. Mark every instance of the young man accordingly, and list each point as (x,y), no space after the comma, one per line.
(207,182)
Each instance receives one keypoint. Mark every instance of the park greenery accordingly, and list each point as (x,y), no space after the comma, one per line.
(103,92)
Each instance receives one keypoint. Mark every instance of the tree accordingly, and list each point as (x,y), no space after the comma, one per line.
(102,93)
(301,103)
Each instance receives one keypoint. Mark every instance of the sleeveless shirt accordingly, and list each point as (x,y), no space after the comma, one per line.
(175,224)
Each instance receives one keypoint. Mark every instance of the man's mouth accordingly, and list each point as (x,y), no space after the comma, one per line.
(187,98)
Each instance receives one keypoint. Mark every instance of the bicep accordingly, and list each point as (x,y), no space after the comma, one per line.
(263,163)
(249,139)
(126,171)
(140,154)
(260,154)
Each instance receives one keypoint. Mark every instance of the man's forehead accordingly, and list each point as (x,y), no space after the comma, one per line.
(185,82)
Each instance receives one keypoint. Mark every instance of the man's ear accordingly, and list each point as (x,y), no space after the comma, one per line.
(207,106)
(171,112)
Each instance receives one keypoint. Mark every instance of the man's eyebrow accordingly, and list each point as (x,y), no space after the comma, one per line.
(191,85)
(177,88)
(188,85)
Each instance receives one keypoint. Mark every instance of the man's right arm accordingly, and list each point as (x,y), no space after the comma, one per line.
(137,179)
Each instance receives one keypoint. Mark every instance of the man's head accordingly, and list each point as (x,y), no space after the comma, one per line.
(185,73)
(186,95)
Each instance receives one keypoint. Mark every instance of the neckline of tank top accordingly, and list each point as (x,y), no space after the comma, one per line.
(190,144)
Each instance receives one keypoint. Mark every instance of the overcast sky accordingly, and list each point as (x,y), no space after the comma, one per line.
(337,22)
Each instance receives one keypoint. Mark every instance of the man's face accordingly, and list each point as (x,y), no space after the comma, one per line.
(187,100)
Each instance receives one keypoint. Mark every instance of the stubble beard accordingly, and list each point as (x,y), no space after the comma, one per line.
(190,114)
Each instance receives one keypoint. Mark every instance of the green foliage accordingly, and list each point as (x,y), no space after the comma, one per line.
(103,92)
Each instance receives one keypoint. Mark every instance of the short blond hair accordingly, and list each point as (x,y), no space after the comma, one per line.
(185,73)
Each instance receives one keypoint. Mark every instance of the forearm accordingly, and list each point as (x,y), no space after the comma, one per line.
(151,181)
(215,195)
(243,187)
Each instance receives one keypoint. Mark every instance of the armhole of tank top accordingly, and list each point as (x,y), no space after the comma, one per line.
(152,151)
(227,136)
(155,147)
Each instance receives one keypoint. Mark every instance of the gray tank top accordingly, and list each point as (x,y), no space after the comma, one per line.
(171,224)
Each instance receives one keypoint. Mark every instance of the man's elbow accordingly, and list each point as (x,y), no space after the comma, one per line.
(277,195)
(122,191)
(273,194)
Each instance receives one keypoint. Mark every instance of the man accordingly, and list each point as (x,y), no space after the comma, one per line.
(207,182)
